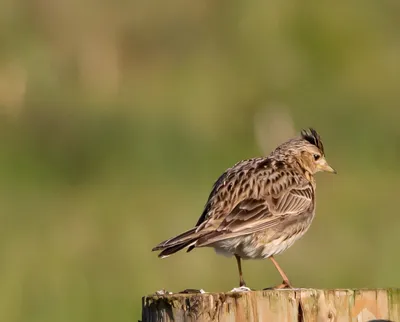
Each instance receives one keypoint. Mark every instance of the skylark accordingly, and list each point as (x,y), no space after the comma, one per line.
(260,206)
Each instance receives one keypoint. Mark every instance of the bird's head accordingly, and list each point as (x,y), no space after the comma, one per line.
(310,152)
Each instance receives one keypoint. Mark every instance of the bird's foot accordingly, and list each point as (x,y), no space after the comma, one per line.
(241,289)
(163,292)
(283,285)
(192,290)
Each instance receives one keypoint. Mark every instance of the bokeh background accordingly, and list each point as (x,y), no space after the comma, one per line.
(117,117)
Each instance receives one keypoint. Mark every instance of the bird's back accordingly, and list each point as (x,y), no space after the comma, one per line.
(260,206)
(257,208)
(260,200)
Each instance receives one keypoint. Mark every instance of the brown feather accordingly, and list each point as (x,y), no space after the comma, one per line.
(256,203)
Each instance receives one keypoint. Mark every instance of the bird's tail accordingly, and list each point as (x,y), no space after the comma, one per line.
(172,245)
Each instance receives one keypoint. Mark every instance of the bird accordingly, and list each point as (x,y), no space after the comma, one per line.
(260,206)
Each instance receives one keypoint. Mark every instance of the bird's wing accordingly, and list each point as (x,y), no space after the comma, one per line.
(251,215)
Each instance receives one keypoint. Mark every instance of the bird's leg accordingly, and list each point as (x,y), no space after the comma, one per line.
(243,287)
(285,283)
(239,264)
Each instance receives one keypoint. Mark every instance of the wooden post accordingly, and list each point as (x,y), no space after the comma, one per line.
(305,305)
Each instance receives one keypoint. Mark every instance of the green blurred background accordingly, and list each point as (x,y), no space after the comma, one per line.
(117,117)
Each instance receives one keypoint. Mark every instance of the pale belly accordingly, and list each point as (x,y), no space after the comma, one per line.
(262,244)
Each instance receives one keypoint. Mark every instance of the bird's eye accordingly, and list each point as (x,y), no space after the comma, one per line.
(316,157)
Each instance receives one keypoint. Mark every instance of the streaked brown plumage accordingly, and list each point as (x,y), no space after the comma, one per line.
(261,206)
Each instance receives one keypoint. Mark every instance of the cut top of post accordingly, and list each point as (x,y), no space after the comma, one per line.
(306,305)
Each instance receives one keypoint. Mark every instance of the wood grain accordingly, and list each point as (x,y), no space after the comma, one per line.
(305,305)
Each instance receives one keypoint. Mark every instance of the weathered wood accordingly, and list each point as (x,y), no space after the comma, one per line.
(305,305)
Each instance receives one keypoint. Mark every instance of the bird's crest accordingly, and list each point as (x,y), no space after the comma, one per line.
(313,137)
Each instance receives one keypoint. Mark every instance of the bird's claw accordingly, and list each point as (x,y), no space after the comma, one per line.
(284,285)
(163,292)
(192,290)
(240,289)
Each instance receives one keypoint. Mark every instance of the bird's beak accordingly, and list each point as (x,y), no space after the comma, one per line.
(324,166)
